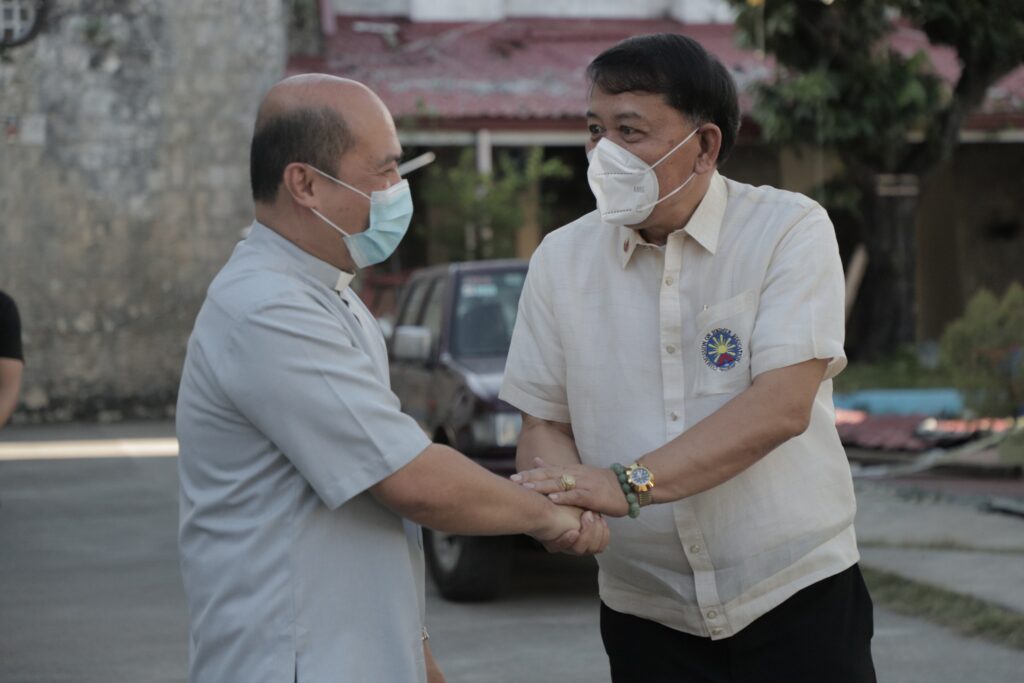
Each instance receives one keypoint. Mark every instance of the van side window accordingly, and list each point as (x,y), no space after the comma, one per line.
(411,309)
(433,314)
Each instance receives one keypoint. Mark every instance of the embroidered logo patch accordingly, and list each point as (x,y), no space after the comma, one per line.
(721,349)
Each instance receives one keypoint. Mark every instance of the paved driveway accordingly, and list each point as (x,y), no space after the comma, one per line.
(90,592)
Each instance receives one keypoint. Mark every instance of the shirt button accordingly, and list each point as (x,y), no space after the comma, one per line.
(674,416)
(670,348)
(669,281)
(712,614)
(716,631)
(694,548)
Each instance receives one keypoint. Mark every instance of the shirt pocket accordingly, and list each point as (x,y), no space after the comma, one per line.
(723,338)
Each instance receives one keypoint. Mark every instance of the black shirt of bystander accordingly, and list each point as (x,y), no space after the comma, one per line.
(10,329)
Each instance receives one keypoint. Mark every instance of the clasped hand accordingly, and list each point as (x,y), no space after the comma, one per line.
(596,490)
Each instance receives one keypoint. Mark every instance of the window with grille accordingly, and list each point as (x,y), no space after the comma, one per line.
(20,20)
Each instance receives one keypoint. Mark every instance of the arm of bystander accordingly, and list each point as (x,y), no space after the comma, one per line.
(11,358)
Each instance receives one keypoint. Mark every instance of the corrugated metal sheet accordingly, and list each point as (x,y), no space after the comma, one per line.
(533,69)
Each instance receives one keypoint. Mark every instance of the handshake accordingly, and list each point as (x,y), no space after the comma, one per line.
(583,496)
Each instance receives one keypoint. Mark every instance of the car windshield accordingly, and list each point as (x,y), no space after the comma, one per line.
(485,312)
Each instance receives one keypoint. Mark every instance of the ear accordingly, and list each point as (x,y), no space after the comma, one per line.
(300,182)
(710,137)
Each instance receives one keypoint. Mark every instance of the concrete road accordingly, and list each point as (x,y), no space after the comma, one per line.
(89,572)
(90,592)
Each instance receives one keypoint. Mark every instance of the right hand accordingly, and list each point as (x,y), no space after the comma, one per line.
(561,521)
(592,538)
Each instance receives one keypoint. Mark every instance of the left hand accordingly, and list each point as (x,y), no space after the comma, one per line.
(434,674)
(596,489)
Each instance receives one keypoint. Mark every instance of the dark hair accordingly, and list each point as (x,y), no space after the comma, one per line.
(316,136)
(679,68)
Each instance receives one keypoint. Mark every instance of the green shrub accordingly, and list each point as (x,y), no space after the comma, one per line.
(899,370)
(984,352)
(1011,448)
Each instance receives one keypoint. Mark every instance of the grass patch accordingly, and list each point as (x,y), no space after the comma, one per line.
(961,613)
(1011,448)
(940,544)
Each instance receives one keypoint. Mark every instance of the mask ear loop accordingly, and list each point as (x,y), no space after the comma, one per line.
(685,182)
(329,222)
(672,151)
(344,184)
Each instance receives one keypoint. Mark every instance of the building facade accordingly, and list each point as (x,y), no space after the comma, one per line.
(123,187)
(124,157)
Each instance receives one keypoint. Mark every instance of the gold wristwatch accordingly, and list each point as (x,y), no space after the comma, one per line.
(641,481)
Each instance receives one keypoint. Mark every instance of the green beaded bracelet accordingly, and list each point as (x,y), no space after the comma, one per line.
(634,505)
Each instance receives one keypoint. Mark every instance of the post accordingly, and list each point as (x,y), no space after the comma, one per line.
(476,234)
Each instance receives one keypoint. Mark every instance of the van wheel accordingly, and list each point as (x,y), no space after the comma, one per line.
(468,568)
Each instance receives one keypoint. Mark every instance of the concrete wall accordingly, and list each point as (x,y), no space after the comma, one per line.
(970,231)
(123,187)
(970,224)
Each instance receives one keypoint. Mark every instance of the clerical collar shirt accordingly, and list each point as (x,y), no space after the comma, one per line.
(292,570)
(633,344)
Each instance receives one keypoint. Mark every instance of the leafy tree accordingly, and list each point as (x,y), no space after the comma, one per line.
(839,85)
(476,215)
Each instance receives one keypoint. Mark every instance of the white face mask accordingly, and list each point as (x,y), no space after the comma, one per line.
(625,186)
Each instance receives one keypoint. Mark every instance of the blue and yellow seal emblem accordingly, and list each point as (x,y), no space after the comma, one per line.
(721,349)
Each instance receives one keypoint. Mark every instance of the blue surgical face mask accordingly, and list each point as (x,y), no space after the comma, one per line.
(390,213)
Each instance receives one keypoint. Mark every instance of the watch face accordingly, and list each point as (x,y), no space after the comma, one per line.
(640,476)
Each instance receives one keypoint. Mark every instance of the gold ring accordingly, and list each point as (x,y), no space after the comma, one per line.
(567,482)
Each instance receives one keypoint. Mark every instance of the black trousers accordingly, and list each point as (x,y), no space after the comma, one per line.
(820,635)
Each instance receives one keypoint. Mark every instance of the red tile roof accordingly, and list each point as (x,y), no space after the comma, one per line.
(1004,104)
(523,70)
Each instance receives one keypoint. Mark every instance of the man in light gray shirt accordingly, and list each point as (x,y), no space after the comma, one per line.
(302,483)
